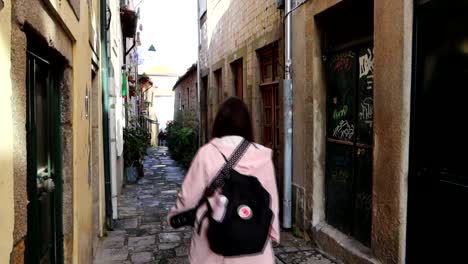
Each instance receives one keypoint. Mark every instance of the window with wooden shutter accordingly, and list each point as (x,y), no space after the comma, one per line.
(269,88)
(219,85)
(238,72)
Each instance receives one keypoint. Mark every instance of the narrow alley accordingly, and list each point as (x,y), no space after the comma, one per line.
(141,233)
(359,105)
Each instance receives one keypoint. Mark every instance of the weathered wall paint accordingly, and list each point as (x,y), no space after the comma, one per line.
(56,22)
(6,134)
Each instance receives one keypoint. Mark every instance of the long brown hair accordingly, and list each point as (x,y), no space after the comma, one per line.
(233,119)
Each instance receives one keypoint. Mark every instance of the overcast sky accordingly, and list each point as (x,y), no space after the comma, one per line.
(171,26)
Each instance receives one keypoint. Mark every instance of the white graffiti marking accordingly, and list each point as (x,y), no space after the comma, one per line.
(364,202)
(344,130)
(366,63)
(367,109)
(370,81)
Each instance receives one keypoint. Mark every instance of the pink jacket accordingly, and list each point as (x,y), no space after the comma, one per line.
(257,161)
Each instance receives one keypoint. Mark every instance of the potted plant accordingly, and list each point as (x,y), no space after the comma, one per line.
(144,139)
(136,140)
(135,143)
(130,154)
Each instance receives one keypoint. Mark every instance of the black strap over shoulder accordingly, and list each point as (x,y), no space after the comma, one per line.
(230,163)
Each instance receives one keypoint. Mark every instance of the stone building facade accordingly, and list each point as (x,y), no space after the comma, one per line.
(237,38)
(354,81)
(53,185)
(59,40)
(186,99)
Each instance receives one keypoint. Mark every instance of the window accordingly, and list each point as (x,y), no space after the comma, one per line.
(180,100)
(219,84)
(269,63)
(196,93)
(124,3)
(269,88)
(237,71)
(188,98)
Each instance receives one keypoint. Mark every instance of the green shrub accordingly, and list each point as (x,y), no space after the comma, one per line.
(182,143)
(136,140)
(296,232)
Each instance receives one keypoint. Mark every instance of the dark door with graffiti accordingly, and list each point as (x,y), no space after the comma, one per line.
(350,140)
(44,238)
(438,178)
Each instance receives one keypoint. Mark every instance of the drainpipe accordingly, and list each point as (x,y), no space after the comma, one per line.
(288,119)
(105,113)
(198,78)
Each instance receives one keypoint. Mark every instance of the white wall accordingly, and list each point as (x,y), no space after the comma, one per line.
(164,110)
(163,99)
(7,211)
(116,113)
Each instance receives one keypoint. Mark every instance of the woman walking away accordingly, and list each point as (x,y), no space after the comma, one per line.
(229,194)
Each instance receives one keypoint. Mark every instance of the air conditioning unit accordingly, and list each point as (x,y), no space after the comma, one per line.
(124,3)
(280,4)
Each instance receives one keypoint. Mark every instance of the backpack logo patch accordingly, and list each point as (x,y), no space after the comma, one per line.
(244,212)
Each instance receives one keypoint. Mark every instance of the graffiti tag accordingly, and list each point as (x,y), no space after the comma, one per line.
(367,109)
(344,130)
(366,63)
(340,176)
(343,61)
(364,203)
(339,114)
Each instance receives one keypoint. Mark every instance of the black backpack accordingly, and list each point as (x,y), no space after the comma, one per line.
(245,228)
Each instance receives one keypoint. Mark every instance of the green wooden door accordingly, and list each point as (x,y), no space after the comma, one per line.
(44,182)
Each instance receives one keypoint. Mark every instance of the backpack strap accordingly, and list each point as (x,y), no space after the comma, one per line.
(230,163)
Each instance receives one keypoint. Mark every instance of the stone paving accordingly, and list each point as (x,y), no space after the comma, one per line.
(142,235)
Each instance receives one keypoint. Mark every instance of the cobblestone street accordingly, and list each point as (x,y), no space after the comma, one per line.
(142,235)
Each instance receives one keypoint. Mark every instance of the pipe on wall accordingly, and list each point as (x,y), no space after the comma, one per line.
(198,78)
(288,119)
(105,112)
